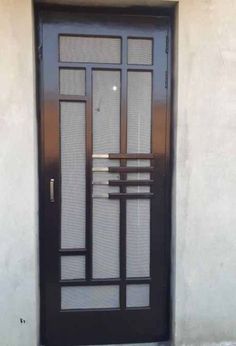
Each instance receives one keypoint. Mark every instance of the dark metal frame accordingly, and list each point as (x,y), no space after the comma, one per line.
(161,174)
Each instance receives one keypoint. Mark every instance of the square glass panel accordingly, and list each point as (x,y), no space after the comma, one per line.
(72,267)
(72,82)
(137,295)
(140,51)
(90,49)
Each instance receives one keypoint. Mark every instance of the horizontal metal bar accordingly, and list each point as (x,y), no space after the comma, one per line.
(100,182)
(132,156)
(72,98)
(130,169)
(101,66)
(100,156)
(98,282)
(100,169)
(102,195)
(68,252)
(131,195)
(130,182)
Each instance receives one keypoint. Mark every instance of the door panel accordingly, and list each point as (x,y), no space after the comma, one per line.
(104,131)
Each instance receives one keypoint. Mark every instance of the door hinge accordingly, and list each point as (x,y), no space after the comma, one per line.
(167,44)
(166,79)
(40,51)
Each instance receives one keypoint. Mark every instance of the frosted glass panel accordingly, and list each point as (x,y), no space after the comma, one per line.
(72,175)
(90,297)
(72,82)
(138,238)
(90,49)
(106,222)
(106,111)
(139,112)
(72,267)
(137,295)
(140,51)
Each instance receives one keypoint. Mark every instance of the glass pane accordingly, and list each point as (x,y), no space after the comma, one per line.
(106,223)
(90,49)
(90,297)
(72,175)
(106,112)
(137,295)
(139,112)
(140,51)
(72,267)
(72,82)
(138,238)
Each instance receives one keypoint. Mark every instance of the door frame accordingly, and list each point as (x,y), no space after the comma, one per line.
(169,128)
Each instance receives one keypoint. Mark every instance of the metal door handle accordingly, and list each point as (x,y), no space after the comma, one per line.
(52,198)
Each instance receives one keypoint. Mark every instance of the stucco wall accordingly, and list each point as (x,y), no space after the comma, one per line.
(204,189)
(18,177)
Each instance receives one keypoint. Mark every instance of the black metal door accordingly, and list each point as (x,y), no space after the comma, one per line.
(104,167)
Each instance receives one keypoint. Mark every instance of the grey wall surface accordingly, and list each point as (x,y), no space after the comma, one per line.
(204,181)
(18,178)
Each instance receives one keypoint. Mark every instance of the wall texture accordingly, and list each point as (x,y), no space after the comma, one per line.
(18,178)
(204,203)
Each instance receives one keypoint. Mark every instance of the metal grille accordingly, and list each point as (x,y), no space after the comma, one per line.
(72,267)
(139,112)
(72,82)
(72,174)
(140,51)
(90,297)
(137,295)
(90,49)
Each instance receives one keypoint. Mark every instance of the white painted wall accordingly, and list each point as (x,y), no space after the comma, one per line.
(18,178)
(204,203)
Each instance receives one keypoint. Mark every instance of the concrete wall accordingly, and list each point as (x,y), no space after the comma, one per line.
(204,203)
(18,178)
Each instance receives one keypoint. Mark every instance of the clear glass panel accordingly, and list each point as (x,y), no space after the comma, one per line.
(138,238)
(137,295)
(90,49)
(139,51)
(72,174)
(139,112)
(106,112)
(72,267)
(72,82)
(90,297)
(106,221)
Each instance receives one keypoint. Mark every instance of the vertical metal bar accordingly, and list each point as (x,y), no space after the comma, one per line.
(123,150)
(89,141)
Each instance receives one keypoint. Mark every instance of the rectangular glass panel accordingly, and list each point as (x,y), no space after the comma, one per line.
(90,49)
(72,134)
(138,238)
(140,51)
(90,297)
(137,295)
(72,82)
(106,112)
(72,267)
(139,112)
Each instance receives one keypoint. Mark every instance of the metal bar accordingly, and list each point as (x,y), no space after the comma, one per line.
(69,252)
(102,195)
(108,282)
(100,182)
(132,156)
(130,195)
(52,197)
(130,182)
(72,98)
(100,156)
(100,66)
(129,169)
(100,169)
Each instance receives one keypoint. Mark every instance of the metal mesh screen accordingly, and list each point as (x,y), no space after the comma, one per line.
(90,297)
(72,174)
(72,82)
(106,111)
(140,51)
(90,49)
(138,238)
(139,112)
(137,295)
(72,267)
